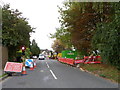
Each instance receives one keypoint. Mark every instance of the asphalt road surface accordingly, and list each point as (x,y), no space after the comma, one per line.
(53,74)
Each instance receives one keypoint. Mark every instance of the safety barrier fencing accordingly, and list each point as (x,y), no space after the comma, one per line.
(85,60)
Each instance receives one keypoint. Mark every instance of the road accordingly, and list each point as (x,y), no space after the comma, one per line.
(53,74)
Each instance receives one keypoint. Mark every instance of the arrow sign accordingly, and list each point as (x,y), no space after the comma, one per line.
(28,62)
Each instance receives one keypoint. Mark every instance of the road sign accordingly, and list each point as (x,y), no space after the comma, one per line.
(28,62)
(13,67)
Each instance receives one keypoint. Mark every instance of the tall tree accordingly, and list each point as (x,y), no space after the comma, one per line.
(34,48)
(63,36)
(58,46)
(107,39)
(15,31)
(81,19)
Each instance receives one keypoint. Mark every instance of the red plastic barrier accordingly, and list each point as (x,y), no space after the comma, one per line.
(98,56)
(86,57)
(66,60)
(71,61)
(59,59)
(63,59)
(92,62)
(86,60)
(94,57)
(79,61)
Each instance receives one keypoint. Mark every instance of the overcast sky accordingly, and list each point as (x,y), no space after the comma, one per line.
(42,14)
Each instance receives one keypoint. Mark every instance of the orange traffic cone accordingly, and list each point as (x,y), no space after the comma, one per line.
(31,66)
(24,71)
(35,65)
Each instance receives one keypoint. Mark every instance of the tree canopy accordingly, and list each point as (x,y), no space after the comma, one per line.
(90,26)
(107,38)
(15,30)
(35,50)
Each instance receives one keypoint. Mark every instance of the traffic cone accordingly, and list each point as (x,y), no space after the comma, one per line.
(24,71)
(35,65)
(31,66)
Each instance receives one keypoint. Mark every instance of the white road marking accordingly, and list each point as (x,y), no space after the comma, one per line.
(53,74)
(47,65)
(41,71)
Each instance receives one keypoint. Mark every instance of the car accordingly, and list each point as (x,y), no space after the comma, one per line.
(41,57)
(35,57)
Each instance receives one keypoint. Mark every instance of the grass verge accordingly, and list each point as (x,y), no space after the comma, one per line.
(2,75)
(103,70)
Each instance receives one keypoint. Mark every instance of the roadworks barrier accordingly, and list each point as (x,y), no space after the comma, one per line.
(24,72)
(35,65)
(31,66)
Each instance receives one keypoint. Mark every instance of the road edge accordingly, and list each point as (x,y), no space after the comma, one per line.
(97,75)
(4,77)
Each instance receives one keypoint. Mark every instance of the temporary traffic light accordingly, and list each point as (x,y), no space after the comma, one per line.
(23,50)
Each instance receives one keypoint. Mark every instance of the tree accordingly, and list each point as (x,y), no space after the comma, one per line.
(58,46)
(63,36)
(107,39)
(81,18)
(15,30)
(35,50)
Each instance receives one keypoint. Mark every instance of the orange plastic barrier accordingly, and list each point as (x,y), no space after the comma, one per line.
(86,60)
(67,60)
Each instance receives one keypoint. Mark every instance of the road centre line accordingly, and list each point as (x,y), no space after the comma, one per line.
(51,71)
(47,65)
(53,74)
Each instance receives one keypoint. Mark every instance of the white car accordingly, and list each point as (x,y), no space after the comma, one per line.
(41,57)
(35,57)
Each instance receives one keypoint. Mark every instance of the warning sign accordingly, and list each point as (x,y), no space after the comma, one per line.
(13,67)
(28,62)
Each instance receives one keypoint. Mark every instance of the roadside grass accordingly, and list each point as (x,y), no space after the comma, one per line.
(104,70)
(2,75)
